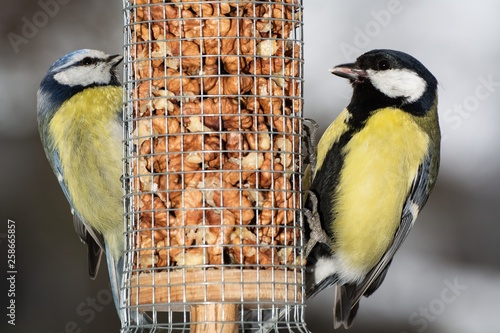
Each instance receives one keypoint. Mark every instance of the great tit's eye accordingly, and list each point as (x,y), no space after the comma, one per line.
(383,64)
(87,61)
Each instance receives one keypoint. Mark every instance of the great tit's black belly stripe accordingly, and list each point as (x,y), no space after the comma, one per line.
(326,180)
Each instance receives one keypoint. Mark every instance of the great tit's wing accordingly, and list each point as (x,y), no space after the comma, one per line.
(416,199)
(93,239)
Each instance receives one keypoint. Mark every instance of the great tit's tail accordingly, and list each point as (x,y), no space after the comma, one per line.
(343,309)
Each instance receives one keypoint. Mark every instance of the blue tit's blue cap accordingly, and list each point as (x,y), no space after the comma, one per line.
(65,59)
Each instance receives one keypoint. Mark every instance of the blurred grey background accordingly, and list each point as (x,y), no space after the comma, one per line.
(446,277)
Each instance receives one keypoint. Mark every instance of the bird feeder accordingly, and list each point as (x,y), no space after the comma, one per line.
(213,118)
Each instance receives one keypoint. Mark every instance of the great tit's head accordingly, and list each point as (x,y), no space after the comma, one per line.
(390,78)
(72,74)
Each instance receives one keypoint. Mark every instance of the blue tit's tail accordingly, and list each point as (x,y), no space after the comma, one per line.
(136,321)
(267,320)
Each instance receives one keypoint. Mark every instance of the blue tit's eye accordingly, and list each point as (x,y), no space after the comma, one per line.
(383,64)
(87,61)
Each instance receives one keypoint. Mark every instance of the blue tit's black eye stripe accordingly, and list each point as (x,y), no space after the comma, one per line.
(87,61)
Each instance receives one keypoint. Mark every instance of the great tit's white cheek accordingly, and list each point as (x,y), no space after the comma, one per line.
(396,83)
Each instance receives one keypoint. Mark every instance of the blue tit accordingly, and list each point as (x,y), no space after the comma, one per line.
(376,166)
(80,123)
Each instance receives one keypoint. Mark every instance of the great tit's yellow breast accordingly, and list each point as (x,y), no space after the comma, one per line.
(87,134)
(381,161)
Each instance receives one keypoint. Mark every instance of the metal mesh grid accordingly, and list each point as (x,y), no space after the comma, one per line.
(213,93)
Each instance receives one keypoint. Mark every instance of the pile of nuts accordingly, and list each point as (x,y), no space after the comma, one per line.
(217,125)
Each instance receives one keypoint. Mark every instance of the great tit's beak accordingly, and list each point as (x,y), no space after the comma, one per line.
(114,60)
(350,71)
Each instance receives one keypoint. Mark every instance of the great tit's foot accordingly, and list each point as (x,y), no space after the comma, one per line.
(317,233)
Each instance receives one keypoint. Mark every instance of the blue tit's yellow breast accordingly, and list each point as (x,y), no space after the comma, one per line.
(381,161)
(87,134)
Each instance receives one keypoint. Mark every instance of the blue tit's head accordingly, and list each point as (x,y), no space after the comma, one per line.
(71,74)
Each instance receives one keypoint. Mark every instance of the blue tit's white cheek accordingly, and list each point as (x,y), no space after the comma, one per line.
(75,57)
(84,75)
(397,83)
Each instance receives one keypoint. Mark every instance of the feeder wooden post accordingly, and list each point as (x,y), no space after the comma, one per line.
(215,317)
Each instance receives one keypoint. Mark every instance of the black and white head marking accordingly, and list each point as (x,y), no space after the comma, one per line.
(382,78)
(85,68)
(398,83)
(395,74)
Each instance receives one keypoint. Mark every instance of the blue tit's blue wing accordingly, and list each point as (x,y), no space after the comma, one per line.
(96,246)
(347,296)
(93,239)
(94,249)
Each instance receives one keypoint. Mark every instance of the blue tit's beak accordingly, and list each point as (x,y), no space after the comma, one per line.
(350,71)
(114,60)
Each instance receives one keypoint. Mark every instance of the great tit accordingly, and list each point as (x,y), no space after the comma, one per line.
(376,166)
(80,123)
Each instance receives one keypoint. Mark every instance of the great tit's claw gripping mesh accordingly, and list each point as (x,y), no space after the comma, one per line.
(317,233)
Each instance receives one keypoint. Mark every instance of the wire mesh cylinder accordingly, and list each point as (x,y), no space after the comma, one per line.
(214,118)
